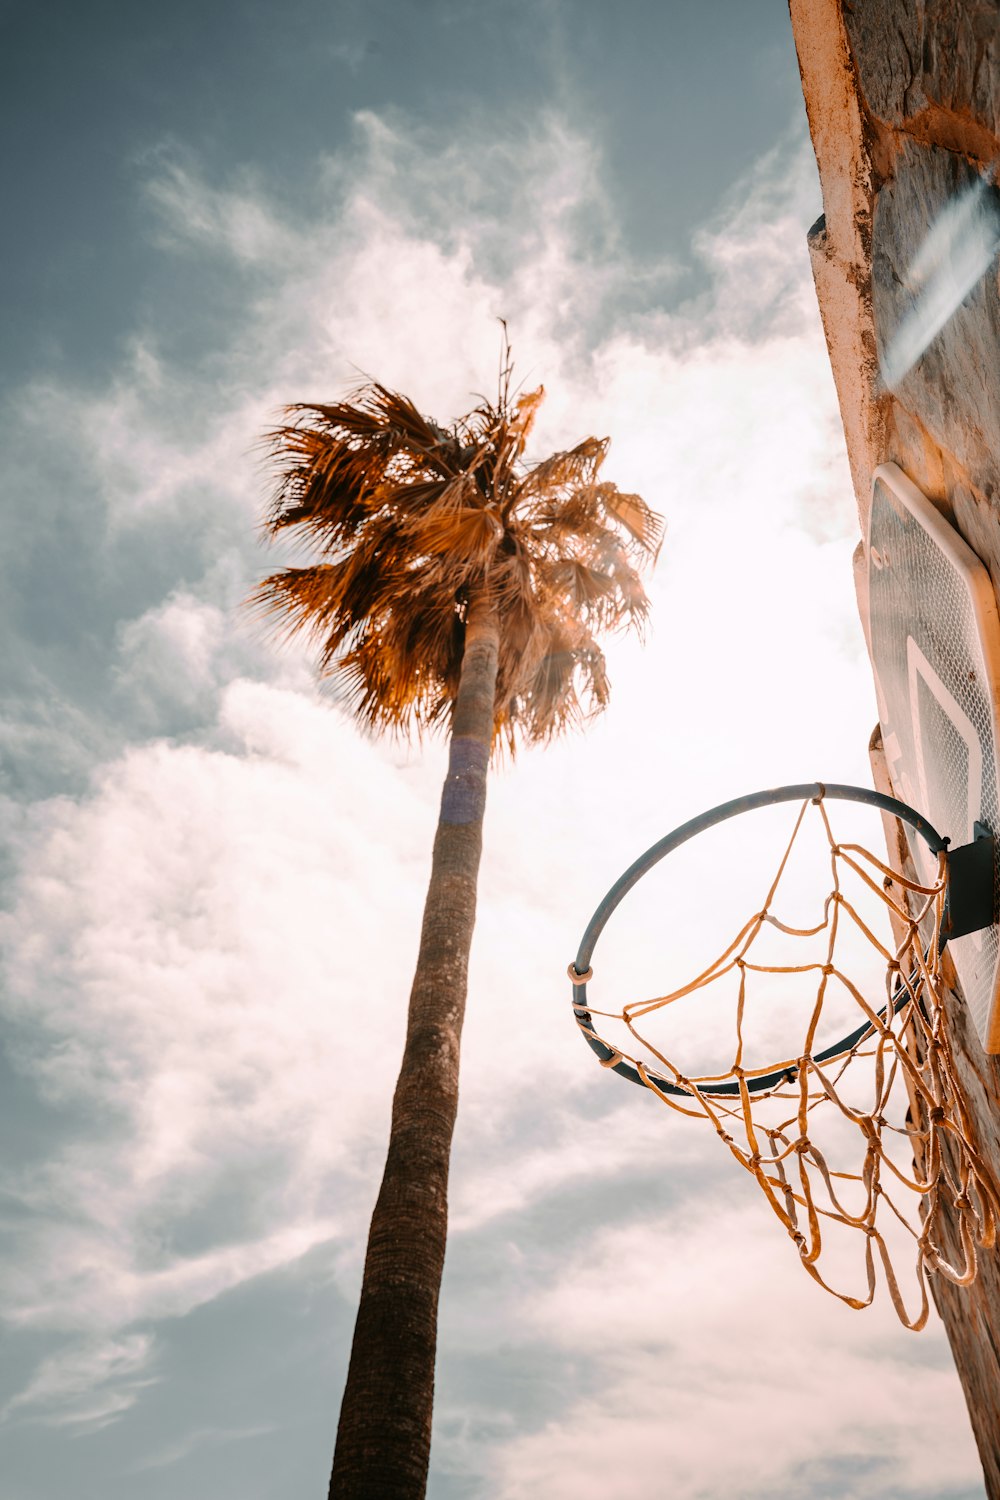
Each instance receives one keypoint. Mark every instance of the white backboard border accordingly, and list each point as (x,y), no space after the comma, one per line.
(934,631)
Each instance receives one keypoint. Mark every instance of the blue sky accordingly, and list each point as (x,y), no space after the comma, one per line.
(92,96)
(213,882)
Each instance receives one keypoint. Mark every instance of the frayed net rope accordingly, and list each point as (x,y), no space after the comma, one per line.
(950,1187)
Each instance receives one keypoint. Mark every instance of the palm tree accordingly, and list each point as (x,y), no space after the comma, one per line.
(458,587)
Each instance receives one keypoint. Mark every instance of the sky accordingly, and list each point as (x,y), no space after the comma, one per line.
(212,880)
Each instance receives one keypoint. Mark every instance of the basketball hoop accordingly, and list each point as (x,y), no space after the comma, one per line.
(901,1033)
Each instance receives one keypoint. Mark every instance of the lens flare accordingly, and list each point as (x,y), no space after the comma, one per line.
(958,251)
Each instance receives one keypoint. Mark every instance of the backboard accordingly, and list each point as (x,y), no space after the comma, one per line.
(935,643)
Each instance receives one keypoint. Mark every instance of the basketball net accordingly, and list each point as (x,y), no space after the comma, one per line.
(949,1194)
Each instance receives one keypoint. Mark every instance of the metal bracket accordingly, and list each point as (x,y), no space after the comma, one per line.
(972,902)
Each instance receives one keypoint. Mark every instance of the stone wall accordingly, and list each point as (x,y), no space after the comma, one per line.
(903,100)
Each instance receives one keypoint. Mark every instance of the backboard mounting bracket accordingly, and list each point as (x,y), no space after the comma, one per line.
(972,901)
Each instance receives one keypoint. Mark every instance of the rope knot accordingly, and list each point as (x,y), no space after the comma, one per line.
(914,997)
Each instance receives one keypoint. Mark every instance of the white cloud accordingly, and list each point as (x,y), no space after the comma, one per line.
(201,1437)
(172,653)
(236,222)
(710,1377)
(87,1384)
(211,951)
(193,946)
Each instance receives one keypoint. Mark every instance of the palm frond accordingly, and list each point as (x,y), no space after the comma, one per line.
(464,538)
(570,469)
(409,517)
(643,524)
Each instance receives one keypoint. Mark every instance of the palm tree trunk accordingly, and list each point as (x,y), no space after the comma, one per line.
(384,1435)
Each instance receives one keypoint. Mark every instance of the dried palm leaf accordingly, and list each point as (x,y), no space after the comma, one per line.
(411,517)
